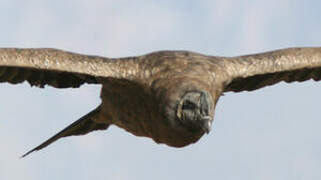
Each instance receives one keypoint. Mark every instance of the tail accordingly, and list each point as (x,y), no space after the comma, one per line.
(82,126)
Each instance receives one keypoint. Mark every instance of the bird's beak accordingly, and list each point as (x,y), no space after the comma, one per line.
(207,124)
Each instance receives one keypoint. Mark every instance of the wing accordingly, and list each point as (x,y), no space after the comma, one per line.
(251,72)
(82,126)
(59,68)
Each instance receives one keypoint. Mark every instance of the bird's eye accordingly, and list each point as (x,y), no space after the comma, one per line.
(188,105)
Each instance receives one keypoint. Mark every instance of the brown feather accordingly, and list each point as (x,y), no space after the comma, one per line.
(82,126)
(59,68)
(266,69)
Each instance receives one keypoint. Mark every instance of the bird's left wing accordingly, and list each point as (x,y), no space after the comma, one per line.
(251,72)
(59,68)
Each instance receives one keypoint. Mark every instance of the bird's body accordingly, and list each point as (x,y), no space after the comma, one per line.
(169,96)
(143,106)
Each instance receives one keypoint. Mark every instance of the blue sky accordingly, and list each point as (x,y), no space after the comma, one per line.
(272,133)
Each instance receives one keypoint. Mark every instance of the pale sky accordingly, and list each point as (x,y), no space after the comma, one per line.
(272,133)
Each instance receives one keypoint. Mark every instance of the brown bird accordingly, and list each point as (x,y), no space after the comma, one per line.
(169,96)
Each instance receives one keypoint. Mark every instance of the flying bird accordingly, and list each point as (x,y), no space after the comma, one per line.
(169,96)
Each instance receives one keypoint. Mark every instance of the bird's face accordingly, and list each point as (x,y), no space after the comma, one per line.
(193,111)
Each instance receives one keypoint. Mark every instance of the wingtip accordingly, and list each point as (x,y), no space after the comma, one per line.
(76,128)
(27,153)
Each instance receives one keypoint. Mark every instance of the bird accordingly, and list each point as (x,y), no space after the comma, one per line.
(169,96)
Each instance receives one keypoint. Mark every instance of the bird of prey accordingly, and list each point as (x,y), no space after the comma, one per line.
(169,96)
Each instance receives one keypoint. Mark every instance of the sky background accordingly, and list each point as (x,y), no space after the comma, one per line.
(272,133)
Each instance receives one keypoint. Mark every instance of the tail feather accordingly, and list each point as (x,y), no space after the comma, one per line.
(82,126)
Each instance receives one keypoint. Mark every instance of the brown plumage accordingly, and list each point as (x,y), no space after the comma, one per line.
(169,96)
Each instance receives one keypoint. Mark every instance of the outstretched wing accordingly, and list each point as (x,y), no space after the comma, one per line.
(84,125)
(252,72)
(58,68)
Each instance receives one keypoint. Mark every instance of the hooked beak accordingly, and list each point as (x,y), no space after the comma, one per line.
(207,124)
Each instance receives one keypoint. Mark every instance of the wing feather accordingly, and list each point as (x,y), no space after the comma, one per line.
(84,125)
(252,72)
(59,68)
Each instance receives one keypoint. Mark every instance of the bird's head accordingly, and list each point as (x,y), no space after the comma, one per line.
(193,111)
(188,105)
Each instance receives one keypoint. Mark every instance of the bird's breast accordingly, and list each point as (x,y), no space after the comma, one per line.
(134,108)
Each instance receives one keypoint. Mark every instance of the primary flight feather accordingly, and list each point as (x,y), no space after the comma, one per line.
(169,96)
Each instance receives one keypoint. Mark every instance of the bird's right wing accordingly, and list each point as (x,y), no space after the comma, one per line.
(59,68)
(251,72)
